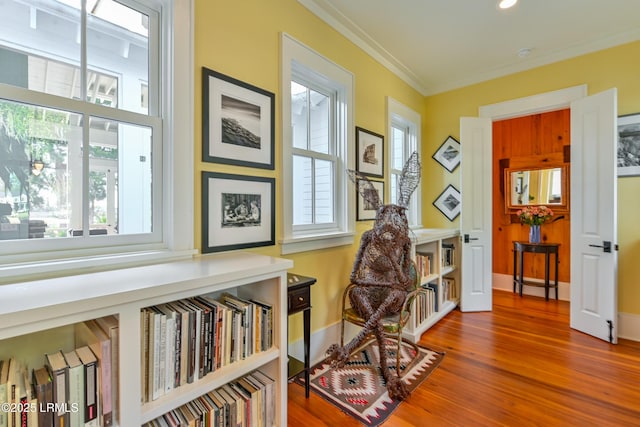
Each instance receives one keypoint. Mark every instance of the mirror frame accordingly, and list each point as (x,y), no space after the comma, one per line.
(556,207)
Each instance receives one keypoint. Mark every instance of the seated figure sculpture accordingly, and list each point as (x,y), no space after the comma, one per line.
(381,271)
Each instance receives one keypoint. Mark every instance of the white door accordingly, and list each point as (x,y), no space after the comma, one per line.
(594,296)
(475,217)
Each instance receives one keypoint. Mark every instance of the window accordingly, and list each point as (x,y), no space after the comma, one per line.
(86,126)
(404,128)
(318,206)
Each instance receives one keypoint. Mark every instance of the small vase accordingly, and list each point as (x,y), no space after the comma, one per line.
(534,234)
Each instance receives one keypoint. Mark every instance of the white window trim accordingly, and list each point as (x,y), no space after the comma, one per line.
(398,112)
(177,179)
(292,50)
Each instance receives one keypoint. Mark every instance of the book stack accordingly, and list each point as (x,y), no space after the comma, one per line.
(71,389)
(448,255)
(449,289)
(184,340)
(424,262)
(248,401)
(427,302)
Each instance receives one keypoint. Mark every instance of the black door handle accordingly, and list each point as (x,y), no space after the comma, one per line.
(606,246)
(467,238)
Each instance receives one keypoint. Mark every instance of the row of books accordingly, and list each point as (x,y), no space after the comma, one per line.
(424,264)
(448,255)
(426,303)
(246,402)
(184,340)
(72,389)
(449,289)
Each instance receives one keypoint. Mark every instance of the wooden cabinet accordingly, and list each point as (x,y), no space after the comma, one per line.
(40,316)
(438,256)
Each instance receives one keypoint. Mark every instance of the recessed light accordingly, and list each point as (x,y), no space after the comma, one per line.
(506,4)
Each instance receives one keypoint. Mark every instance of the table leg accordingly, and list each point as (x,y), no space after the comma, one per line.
(546,276)
(557,262)
(515,269)
(307,339)
(521,271)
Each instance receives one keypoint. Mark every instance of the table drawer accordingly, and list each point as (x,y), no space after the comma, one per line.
(299,299)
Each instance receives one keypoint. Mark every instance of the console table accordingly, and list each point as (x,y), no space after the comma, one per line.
(519,248)
(299,299)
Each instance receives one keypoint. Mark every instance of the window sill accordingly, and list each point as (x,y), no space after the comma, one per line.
(314,242)
(20,272)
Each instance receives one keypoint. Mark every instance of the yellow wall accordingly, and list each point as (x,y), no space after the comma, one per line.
(617,67)
(241,39)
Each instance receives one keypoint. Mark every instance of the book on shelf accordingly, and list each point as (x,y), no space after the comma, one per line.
(207,323)
(448,254)
(169,360)
(436,289)
(75,387)
(44,393)
(230,404)
(424,263)
(57,366)
(91,387)
(248,332)
(254,397)
(220,405)
(111,326)
(89,334)
(266,324)
(269,395)
(4,377)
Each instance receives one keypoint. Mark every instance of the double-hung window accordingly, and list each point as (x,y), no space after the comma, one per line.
(85,127)
(318,206)
(404,128)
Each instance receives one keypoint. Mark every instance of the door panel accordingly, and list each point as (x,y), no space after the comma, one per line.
(593,215)
(475,217)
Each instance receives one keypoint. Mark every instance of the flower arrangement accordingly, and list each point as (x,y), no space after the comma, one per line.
(535,215)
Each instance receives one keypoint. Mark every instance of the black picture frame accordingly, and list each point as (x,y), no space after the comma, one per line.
(448,155)
(449,202)
(226,224)
(238,122)
(369,153)
(365,211)
(628,145)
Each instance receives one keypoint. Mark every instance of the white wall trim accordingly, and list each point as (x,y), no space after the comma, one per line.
(504,282)
(534,104)
(629,326)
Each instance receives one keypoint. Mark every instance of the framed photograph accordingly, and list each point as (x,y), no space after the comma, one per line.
(369,153)
(366,211)
(237,122)
(448,155)
(629,145)
(448,202)
(238,211)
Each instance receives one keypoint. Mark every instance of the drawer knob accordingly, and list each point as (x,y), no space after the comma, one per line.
(300,299)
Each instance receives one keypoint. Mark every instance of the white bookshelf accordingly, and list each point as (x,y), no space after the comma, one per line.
(38,317)
(430,241)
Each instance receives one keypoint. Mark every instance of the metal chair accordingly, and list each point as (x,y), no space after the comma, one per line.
(392,324)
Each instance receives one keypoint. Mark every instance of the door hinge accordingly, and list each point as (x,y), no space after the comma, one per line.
(610,331)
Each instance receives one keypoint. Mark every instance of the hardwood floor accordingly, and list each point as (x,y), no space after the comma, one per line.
(519,365)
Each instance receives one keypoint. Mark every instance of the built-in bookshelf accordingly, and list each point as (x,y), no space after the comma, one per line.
(52,316)
(437,256)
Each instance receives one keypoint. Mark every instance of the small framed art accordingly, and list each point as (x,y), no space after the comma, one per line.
(365,209)
(629,145)
(237,122)
(238,211)
(369,153)
(448,202)
(448,155)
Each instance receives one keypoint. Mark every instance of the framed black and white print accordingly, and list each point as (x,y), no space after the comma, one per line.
(237,122)
(369,153)
(366,211)
(238,211)
(448,155)
(629,145)
(449,202)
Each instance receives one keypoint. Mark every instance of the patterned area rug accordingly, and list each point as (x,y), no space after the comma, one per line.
(358,388)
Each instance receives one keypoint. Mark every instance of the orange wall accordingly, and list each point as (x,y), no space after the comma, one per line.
(530,141)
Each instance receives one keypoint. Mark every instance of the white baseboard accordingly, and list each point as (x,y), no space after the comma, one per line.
(504,282)
(320,342)
(629,326)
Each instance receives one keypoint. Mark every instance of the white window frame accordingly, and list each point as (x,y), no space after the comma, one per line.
(298,59)
(401,116)
(174,239)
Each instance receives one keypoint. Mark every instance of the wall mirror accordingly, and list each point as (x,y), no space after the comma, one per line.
(537,186)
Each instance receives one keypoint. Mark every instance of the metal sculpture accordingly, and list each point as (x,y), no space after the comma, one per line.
(381,271)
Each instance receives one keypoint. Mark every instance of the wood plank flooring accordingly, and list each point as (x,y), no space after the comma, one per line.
(519,365)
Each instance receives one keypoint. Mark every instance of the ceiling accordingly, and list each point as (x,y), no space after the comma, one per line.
(440,45)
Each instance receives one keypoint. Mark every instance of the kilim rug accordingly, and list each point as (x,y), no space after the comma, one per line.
(358,388)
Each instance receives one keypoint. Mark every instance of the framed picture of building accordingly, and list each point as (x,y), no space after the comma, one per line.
(238,211)
(369,153)
(237,122)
